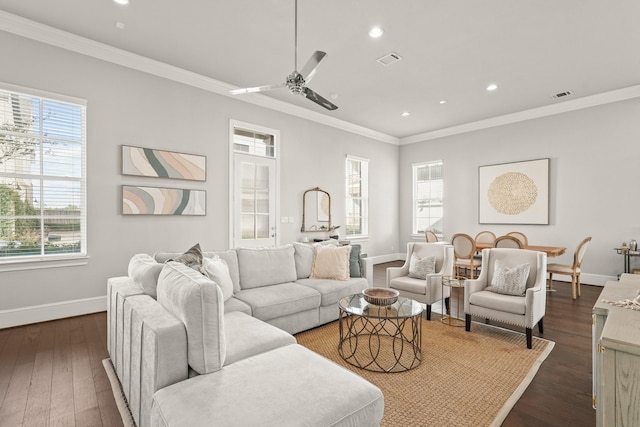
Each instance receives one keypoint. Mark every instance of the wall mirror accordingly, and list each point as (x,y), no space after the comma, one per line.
(316,210)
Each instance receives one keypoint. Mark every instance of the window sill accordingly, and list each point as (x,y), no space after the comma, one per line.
(361,238)
(36,263)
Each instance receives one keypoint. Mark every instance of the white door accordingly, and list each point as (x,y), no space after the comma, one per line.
(254,201)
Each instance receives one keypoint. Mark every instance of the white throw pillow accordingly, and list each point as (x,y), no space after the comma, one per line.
(218,271)
(331,262)
(144,271)
(420,267)
(509,280)
(198,303)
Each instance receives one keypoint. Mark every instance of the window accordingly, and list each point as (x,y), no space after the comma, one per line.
(42,177)
(427,197)
(357,177)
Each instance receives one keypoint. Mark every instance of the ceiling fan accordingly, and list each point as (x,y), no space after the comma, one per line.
(297,80)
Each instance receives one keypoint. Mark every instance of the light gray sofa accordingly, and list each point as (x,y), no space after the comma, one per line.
(185,355)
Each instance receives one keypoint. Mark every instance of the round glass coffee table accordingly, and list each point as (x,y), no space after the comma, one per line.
(380,338)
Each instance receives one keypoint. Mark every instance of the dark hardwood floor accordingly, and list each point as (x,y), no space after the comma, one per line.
(51,373)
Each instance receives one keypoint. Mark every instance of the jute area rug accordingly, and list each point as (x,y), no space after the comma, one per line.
(465,378)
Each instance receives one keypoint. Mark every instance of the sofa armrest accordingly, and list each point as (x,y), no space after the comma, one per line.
(367,269)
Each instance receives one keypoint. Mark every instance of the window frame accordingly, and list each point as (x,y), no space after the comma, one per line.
(364,197)
(42,260)
(414,198)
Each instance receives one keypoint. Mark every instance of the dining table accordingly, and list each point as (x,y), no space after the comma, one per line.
(551,251)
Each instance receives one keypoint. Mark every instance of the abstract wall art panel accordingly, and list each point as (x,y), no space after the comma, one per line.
(162,201)
(514,193)
(163,164)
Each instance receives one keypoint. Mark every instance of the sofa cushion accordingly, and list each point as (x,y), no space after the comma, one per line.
(303,256)
(234,304)
(217,270)
(332,290)
(494,301)
(269,302)
(198,303)
(248,336)
(294,387)
(266,266)
(144,271)
(331,262)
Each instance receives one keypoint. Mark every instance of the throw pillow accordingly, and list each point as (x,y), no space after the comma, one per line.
(420,267)
(304,259)
(144,271)
(355,269)
(331,262)
(509,280)
(192,258)
(218,271)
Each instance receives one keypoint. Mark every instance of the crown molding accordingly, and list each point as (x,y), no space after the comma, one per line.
(534,113)
(55,37)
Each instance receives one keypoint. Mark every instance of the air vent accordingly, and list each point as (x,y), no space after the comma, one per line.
(389,59)
(562,94)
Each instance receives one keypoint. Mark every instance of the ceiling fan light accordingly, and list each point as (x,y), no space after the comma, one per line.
(376,32)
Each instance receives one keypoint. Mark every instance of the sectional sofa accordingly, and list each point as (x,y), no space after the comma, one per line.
(191,350)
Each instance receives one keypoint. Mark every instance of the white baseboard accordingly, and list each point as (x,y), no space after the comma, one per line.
(46,312)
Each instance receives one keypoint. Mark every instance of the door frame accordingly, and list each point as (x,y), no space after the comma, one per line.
(276,137)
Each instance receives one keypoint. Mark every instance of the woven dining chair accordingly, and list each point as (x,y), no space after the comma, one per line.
(430,236)
(520,236)
(508,242)
(485,237)
(572,270)
(464,248)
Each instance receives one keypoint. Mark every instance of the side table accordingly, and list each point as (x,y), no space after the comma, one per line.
(456,283)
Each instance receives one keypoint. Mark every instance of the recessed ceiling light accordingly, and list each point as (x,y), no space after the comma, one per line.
(376,32)
(120,25)
(121,1)
(492,86)
(443,102)
(405,114)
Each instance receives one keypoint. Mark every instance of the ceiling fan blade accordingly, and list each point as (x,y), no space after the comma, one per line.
(310,67)
(256,89)
(312,96)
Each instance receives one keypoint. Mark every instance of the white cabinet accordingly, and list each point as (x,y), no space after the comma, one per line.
(616,357)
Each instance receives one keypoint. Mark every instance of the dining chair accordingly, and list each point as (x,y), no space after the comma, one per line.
(485,237)
(572,270)
(508,242)
(464,248)
(520,236)
(430,236)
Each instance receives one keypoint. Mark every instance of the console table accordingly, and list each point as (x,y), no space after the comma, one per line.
(616,356)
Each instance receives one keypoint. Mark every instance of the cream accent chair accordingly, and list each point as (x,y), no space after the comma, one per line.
(525,311)
(425,291)
(430,236)
(508,242)
(571,270)
(464,248)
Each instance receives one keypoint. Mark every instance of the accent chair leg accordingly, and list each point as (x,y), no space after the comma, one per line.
(428,312)
(467,322)
(578,283)
(447,305)
(486,321)
(529,337)
(550,285)
(540,326)
(573,287)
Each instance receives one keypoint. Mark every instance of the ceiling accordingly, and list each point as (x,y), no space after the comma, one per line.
(451,50)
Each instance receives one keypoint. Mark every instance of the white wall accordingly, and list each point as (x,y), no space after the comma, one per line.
(594,175)
(134,108)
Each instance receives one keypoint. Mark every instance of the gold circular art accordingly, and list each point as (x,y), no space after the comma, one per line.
(512,193)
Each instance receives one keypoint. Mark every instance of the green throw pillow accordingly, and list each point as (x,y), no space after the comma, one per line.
(354,262)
